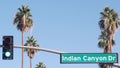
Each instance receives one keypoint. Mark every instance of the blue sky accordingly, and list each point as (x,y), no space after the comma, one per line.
(64,25)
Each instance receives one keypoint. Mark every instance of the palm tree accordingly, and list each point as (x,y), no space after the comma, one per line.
(40,65)
(24,22)
(109,23)
(31,52)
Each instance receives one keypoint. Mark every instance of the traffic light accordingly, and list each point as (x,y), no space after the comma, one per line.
(7,52)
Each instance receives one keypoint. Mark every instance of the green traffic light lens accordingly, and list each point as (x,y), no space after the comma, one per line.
(7,54)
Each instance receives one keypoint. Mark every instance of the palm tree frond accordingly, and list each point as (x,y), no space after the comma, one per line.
(32,43)
(113,42)
(18,20)
(101,24)
(40,65)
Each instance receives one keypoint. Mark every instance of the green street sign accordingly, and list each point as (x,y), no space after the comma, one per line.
(88,58)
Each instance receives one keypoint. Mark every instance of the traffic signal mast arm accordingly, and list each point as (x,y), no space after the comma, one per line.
(51,51)
(41,49)
(116,65)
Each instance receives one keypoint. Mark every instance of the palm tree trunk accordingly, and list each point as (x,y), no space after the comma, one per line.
(23,42)
(109,50)
(30,62)
(106,50)
(22,49)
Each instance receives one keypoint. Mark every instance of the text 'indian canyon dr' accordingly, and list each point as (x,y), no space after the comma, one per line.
(88,58)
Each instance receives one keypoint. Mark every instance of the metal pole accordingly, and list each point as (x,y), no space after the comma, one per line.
(116,65)
(52,51)
(41,49)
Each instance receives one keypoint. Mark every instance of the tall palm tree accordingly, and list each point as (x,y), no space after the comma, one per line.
(24,22)
(40,65)
(31,52)
(109,23)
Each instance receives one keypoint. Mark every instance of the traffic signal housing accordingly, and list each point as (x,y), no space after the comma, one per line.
(7,52)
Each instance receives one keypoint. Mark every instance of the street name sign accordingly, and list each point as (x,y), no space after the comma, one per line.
(88,58)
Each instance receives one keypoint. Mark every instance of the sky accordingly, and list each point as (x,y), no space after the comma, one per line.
(63,25)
